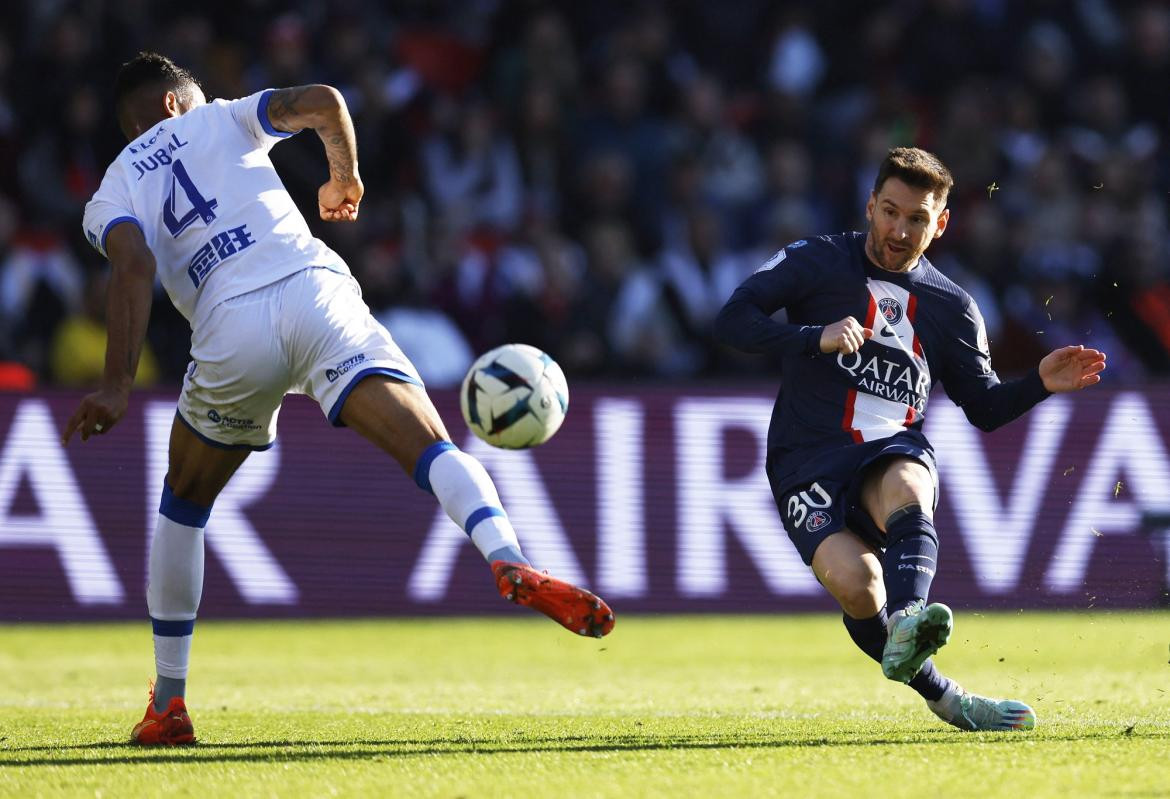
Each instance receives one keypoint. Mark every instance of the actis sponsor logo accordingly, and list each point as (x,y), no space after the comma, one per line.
(231,421)
(337,371)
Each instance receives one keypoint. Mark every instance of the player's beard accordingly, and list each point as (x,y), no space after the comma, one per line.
(880,254)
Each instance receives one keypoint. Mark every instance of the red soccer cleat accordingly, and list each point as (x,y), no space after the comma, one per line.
(575,609)
(172,727)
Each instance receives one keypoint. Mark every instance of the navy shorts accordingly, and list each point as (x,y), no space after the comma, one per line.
(822,494)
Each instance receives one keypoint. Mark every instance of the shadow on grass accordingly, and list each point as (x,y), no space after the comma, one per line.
(287,751)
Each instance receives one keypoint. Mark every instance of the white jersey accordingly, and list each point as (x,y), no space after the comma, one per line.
(210,204)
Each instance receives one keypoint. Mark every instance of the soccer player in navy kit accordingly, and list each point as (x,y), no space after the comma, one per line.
(872,325)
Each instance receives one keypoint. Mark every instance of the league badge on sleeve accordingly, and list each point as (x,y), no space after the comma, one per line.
(772,262)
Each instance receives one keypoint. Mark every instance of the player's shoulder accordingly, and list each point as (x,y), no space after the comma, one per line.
(818,251)
(936,284)
(116,182)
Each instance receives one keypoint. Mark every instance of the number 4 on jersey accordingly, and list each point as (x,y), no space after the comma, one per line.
(200,208)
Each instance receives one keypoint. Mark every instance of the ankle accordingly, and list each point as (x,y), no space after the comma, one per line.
(166,689)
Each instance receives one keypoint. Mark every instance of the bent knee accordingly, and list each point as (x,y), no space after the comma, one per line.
(862,602)
(859,590)
(909,481)
(904,482)
(192,489)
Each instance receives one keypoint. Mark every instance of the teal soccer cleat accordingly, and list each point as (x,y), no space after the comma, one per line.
(974,713)
(914,635)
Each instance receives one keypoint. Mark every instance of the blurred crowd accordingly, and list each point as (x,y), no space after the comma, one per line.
(596,178)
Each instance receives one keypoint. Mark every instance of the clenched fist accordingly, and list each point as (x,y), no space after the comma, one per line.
(845,337)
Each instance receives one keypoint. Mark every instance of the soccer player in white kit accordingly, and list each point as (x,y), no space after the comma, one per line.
(195,199)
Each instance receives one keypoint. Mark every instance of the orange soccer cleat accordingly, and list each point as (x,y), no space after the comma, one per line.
(172,727)
(575,609)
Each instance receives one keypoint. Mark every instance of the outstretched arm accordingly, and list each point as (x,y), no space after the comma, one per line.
(322,108)
(989,403)
(1071,368)
(128,302)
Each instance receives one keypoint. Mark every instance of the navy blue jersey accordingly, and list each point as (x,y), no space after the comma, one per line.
(926,330)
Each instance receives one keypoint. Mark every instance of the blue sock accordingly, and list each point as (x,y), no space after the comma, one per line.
(911,557)
(870,637)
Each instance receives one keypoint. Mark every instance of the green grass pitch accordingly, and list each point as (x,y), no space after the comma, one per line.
(704,706)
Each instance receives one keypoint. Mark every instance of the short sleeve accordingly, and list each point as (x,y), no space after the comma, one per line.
(251,114)
(109,206)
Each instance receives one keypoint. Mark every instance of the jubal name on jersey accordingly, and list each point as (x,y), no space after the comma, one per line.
(159,157)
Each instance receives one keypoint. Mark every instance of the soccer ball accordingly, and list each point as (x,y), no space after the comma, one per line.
(514,397)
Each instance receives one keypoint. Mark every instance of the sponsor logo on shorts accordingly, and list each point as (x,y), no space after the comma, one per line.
(816,520)
(332,374)
(231,421)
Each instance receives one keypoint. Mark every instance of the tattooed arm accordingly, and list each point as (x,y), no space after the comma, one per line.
(322,108)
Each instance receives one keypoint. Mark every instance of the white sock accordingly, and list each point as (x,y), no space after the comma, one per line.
(174,586)
(172,654)
(469,497)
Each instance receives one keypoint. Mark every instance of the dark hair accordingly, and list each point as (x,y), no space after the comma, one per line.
(917,168)
(146,69)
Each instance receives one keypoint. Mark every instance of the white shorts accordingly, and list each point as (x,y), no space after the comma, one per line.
(309,333)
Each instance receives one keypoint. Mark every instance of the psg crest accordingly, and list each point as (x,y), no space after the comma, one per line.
(816,520)
(891,309)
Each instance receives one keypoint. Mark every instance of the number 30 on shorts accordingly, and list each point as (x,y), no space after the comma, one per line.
(800,502)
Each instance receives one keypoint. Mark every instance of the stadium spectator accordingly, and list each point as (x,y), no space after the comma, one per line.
(621,128)
(697,276)
(78,353)
(1134,293)
(623,304)
(730,171)
(1051,113)
(546,159)
(41,284)
(471,168)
